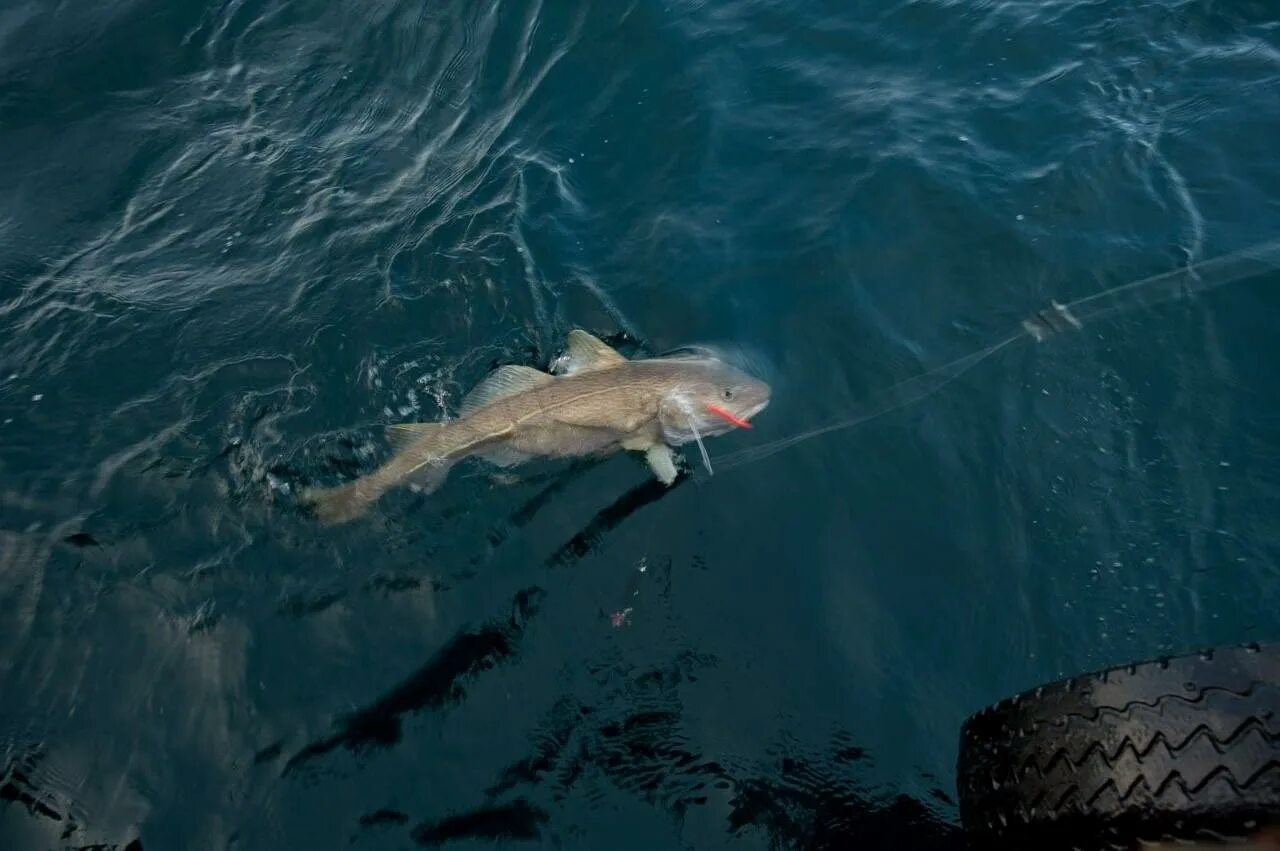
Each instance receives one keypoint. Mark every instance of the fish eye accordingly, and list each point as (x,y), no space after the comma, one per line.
(727,394)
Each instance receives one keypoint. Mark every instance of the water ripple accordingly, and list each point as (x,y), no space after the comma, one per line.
(238,238)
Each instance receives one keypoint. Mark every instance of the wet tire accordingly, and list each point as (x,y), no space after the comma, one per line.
(1173,749)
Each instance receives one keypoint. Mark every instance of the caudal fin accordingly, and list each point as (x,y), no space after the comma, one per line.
(349,501)
(343,503)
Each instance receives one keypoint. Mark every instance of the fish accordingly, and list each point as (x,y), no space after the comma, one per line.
(598,403)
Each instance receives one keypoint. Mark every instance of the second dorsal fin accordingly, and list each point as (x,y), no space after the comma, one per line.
(503,382)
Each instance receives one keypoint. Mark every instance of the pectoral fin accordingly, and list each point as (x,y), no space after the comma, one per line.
(662,460)
(504,456)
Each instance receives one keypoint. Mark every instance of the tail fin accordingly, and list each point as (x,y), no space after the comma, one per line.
(349,501)
(420,461)
(343,503)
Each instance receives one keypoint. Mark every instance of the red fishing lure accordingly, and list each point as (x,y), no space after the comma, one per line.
(728,417)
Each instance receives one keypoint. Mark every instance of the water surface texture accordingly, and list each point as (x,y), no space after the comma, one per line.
(237,238)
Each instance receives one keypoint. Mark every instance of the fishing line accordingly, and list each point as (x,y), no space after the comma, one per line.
(706,459)
(1040,326)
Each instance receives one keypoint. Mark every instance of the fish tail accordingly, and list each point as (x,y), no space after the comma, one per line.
(343,503)
(347,502)
(422,460)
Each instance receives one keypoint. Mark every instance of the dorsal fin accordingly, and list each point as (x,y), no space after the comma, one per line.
(404,435)
(502,382)
(585,353)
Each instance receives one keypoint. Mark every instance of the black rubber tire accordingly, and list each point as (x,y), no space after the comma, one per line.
(1172,749)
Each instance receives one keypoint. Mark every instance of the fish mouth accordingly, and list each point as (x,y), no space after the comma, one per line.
(737,420)
(747,415)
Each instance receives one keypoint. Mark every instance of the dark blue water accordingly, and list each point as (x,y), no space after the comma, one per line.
(236,238)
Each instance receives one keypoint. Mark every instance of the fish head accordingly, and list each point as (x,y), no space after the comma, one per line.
(708,397)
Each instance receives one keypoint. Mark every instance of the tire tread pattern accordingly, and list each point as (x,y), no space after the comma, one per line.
(1174,748)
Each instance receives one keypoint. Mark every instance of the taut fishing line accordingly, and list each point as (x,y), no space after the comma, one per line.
(1040,326)
(693,427)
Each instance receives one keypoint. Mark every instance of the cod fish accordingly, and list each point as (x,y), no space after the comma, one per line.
(599,403)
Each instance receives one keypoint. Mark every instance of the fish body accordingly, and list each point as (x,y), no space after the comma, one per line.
(602,403)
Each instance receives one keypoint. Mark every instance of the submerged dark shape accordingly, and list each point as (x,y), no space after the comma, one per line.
(382,817)
(798,799)
(16,787)
(516,820)
(269,753)
(437,683)
(610,517)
